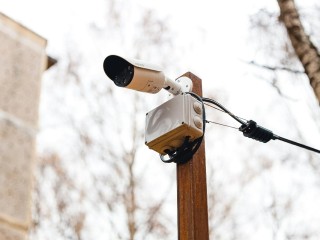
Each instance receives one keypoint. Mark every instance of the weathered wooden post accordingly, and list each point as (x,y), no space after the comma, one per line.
(192,189)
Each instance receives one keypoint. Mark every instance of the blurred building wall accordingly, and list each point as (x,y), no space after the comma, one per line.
(22,62)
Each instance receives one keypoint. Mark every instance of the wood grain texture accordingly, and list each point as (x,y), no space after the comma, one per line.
(192,189)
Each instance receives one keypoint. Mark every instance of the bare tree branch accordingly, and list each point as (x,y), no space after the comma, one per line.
(306,51)
(274,68)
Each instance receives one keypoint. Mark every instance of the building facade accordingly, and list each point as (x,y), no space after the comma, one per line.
(22,61)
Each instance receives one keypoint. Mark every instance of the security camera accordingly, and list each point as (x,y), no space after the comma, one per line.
(142,76)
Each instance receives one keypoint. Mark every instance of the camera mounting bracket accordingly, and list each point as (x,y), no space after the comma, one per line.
(185,83)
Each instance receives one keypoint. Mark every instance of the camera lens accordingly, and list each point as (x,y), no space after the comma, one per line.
(124,77)
(119,70)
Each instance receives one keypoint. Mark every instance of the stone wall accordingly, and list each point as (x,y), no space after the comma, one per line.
(22,62)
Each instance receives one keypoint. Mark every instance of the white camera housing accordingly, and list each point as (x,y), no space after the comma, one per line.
(142,76)
(169,124)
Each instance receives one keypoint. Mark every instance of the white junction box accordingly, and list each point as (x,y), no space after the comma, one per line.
(169,124)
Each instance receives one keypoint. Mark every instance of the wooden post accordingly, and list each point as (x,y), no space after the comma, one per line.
(192,189)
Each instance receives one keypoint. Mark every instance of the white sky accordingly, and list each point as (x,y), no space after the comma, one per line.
(220,33)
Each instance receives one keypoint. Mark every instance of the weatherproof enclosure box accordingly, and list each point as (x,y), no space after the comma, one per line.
(169,124)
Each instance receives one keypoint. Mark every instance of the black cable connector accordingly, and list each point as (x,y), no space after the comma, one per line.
(252,130)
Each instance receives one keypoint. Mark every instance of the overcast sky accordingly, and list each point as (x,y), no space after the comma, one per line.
(219,33)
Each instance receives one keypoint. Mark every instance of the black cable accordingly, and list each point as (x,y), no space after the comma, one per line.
(224,109)
(295,143)
(249,129)
(178,154)
(215,108)
(252,130)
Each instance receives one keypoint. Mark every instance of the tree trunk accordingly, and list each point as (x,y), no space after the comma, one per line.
(306,51)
